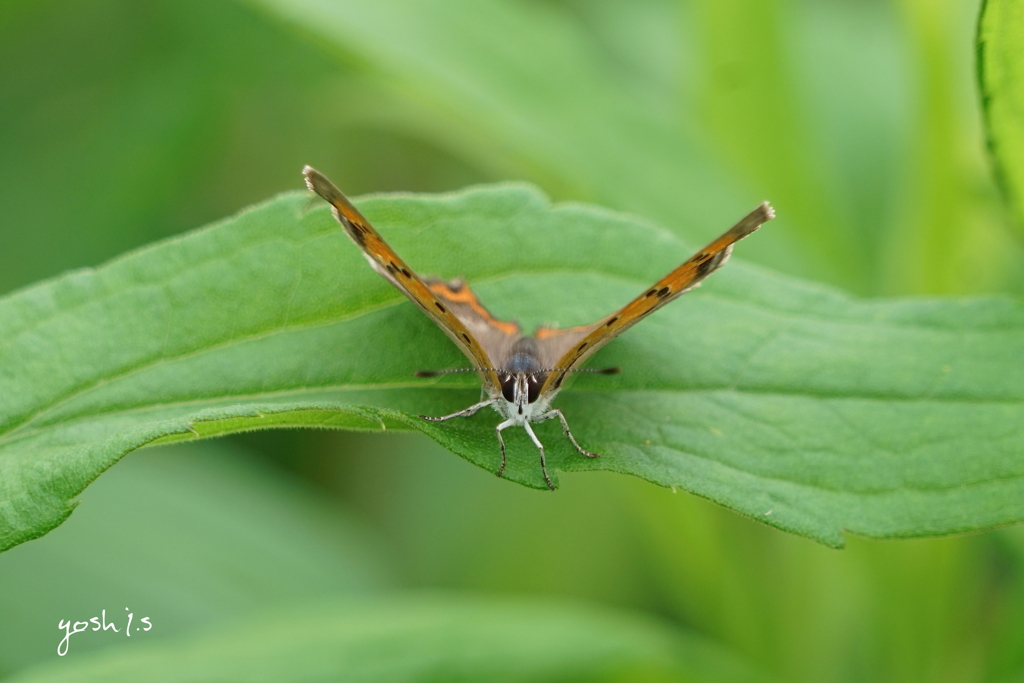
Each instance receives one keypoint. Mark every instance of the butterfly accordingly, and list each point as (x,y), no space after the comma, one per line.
(521,374)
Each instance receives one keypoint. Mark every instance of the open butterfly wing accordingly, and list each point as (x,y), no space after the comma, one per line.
(577,344)
(496,337)
(553,344)
(386,262)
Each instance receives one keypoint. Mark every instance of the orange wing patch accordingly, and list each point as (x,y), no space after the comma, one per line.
(553,332)
(458,292)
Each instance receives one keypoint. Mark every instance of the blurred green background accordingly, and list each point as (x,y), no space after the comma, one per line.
(124,122)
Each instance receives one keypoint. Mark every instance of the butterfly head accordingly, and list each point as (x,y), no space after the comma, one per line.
(521,388)
(521,375)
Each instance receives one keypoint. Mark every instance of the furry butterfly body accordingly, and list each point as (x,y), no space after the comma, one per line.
(521,374)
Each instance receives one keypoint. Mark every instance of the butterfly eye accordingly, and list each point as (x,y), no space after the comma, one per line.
(508,388)
(533,388)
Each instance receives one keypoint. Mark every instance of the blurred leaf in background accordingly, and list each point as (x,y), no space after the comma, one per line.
(1000,71)
(123,122)
(409,638)
(190,535)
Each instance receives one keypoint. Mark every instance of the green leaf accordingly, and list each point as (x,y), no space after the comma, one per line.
(416,638)
(1001,74)
(196,533)
(788,402)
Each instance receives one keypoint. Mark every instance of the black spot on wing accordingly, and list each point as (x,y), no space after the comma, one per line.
(650,293)
(467,338)
(663,292)
(406,273)
(440,307)
(706,267)
(356,231)
(611,322)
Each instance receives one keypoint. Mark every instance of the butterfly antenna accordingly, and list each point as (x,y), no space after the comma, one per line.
(600,371)
(435,373)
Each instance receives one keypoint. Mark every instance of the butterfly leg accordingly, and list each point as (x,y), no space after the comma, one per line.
(462,413)
(501,441)
(540,447)
(557,412)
